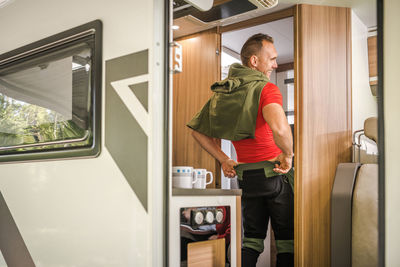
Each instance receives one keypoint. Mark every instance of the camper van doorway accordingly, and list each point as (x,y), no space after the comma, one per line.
(206,52)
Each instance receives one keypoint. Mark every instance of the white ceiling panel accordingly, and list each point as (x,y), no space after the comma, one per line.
(280,30)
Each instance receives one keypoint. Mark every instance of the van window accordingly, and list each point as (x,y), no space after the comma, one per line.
(47,101)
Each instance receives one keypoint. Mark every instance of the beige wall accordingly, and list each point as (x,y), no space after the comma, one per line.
(83,211)
(392,128)
(364,104)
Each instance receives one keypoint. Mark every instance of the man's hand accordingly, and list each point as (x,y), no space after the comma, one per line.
(227,167)
(285,163)
(213,237)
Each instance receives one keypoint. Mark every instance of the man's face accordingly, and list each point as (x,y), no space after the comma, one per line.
(266,60)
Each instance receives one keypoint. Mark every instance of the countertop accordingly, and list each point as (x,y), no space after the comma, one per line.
(206,192)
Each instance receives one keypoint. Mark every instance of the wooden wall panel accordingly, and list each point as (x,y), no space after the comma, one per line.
(373,59)
(238,232)
(210,253)
(323,123)
(201,68)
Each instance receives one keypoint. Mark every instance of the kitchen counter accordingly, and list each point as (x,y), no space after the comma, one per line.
(206,192)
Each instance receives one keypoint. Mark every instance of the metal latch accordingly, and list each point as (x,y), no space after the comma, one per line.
(177,60)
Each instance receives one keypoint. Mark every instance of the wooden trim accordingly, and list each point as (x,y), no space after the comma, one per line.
(206,253)
(218,182)
(258,20)
(349,76)
(286,66)
(372,56)
(191,35)
(298,204)
(238,231)
(220,2)
(373,82)
(322,123)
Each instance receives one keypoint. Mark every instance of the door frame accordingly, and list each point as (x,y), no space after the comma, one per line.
(282,14)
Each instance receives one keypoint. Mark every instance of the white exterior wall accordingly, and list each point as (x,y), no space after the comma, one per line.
(364,104)
(82,212)
(158,179)
(392,128)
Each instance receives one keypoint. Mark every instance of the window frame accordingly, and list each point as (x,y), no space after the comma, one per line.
(54,43)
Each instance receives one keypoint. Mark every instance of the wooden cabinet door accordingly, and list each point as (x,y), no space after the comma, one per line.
(201,68)
(323,123)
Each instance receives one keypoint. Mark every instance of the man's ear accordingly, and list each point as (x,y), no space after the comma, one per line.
(253,61)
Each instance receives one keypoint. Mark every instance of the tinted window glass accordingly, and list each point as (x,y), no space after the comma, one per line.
(45,102)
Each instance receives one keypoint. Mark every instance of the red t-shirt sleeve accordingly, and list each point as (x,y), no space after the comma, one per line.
(270,94)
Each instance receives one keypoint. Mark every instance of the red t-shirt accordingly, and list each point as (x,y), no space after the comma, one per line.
(263,146)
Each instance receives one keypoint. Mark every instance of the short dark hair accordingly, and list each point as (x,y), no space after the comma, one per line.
(253,46)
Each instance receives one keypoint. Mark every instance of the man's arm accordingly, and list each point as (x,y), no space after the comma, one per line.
(209,144)
(275,117)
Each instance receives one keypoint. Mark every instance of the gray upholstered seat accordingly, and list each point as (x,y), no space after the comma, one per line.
(354,211)
(365,208)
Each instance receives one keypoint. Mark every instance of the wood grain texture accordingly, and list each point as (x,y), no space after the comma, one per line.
(298,236)
(372,56)
(210,253)
(220,2)
(323,123)
(201,68)
(258,20)
(285,67)
(238,231)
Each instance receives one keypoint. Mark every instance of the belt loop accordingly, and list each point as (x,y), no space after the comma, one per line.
(239,174)
(266,172)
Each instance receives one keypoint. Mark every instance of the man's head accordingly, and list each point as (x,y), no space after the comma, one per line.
(259,53)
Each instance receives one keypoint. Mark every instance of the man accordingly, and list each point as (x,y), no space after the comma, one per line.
(247,109)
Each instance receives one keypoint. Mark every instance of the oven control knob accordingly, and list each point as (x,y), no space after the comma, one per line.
(199,217)
(219,216)
(209,217)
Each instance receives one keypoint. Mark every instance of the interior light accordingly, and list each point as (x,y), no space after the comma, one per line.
(175,27)
(76,66)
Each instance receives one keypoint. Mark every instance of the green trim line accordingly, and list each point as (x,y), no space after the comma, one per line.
(254,243)
(12,245)
(284,246)
(141,92)
(124,138)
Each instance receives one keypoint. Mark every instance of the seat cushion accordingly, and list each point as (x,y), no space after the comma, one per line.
(365,217)
(371,128)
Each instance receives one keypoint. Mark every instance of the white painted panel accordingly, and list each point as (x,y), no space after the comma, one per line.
(2,261)
(136,108)
(364,104)
(26,21)
(281,30)
(202,5)
(156,157)
(82,212)
(77,211)
(392,128)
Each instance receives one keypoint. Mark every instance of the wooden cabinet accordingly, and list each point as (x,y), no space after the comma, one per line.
(210,253)
(322,123)
(373,64)
(200,69)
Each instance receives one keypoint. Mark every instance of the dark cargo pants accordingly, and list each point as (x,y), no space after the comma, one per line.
(265,198)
